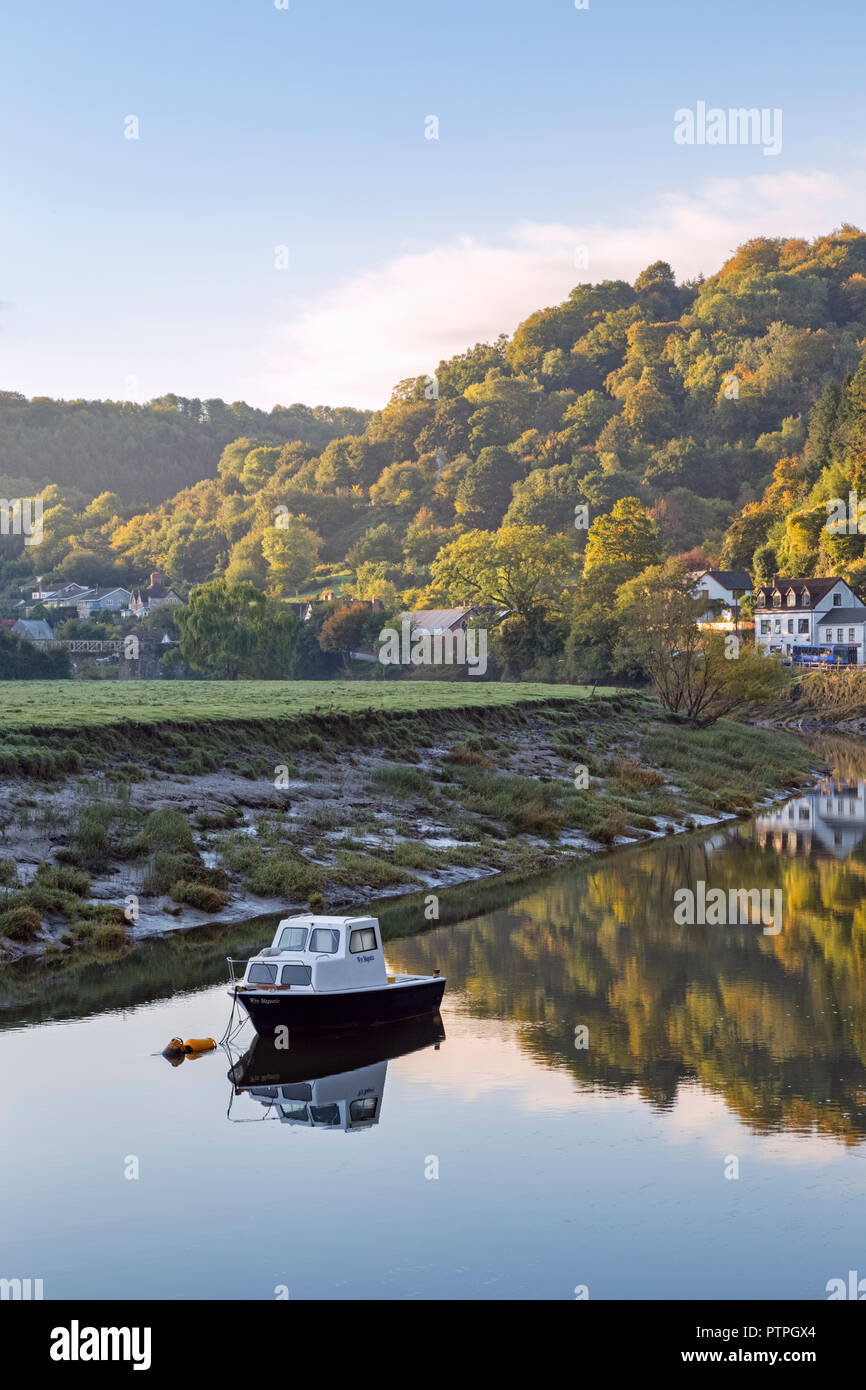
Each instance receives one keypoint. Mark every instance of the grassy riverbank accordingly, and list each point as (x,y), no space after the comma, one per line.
(824,699)
(47,705)
(109,834)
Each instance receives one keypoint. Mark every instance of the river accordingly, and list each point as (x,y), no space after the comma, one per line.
(615,1104)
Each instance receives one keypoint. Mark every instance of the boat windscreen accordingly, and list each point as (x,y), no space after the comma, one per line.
(293,939)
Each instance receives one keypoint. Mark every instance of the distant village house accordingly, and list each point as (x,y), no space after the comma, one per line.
(157,594)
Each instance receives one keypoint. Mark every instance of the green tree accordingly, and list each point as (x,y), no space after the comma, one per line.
(622,543)
(485,489)
(291,548)
(518,569)
(233,631)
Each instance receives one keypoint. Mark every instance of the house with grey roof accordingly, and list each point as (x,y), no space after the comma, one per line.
(33,630)
(823,612)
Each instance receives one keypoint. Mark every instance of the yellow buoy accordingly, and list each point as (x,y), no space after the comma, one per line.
(199,1045)
(173,1048)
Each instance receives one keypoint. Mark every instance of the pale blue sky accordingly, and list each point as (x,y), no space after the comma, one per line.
(133,267)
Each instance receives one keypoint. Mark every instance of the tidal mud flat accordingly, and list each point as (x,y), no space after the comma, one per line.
(132,830)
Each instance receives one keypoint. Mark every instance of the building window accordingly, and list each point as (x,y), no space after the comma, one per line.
(790,624)
(777,600)
(803,626)
(828,634)
(850,634)
(765,627)
(792,599)
(840,633)
(837,600)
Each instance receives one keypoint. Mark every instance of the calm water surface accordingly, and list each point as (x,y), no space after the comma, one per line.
(557,1166)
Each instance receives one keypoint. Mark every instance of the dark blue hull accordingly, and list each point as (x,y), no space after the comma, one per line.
(314,1055)
(352,1009)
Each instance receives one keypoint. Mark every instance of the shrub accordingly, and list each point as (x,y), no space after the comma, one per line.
(108,936)
(8,872)
(91,835)
(20,923)
(62,877)
(167,830)
(634,778)
(402,779)
(199,895)
(167,869)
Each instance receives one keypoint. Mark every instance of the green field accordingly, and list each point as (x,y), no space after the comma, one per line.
(83,704)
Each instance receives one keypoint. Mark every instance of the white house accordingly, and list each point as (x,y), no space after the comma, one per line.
(809,613)
(724,590)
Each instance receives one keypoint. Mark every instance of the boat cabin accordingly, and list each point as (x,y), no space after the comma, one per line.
(320,954)
(351,1101)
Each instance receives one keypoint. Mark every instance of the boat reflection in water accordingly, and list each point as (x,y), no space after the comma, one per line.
(333,1082)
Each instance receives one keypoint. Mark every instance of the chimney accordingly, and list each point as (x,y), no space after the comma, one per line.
(155,578)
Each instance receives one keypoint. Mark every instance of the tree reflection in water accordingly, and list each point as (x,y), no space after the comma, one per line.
(774,1024)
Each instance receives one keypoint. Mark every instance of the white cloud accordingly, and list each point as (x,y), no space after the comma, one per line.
(353,343)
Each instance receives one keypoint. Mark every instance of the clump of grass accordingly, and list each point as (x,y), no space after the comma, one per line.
(468,755)
(632,777)
(43,763)
(403,780)
(525,805)
(108,936)
(167,830)
(599,817)
(199,895)
(368,870)
(8,872)
(270,872)
(414,854)
(91,835)
(167,869)
(20,923)
(61,876)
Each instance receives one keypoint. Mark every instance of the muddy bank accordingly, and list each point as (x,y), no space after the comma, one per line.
(281,815)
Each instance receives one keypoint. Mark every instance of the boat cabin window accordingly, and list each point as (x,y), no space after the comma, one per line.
(294,1112)
(325,940)
(325,1114)
(295,975)
(364,1109)
(262,974)
(293,939)
(364,939)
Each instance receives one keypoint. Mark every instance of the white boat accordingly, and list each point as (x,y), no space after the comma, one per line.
(329,972)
